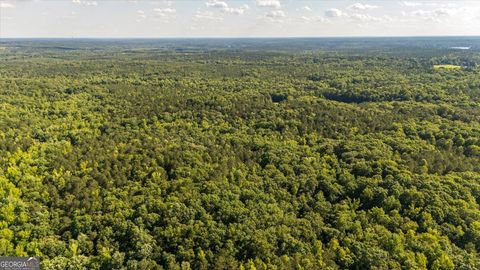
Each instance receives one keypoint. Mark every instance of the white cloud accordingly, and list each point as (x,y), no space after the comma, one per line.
(6,5)
(364,18)
(444,12)
(276,14)
(225,8)
(311,19)
(411,4)
(207,15)
(436,15)
(217,4)
(444,4)
(164,12)
(239,10)
(268,3)
(360,6)
(334,13)
(141,14)
(356,17)
(305,19)
(439,12)
(168,3)
(85,3)
(306,8)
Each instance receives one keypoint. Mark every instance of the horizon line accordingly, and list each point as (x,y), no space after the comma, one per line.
(246,37)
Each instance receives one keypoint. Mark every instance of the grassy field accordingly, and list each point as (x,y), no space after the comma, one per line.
(436,67)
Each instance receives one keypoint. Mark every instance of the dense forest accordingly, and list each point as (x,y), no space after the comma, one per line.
(240,154)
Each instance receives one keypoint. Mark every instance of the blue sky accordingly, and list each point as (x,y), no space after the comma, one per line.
(236,18)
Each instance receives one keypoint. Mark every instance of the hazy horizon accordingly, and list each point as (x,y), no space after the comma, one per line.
(246,37)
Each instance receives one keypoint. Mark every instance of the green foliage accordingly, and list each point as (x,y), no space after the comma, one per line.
(193,158)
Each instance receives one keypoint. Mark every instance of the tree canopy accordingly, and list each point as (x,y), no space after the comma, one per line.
(120,157)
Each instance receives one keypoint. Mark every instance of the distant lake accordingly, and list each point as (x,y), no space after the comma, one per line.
(460,48)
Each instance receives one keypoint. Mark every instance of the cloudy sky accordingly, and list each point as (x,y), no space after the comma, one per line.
(236,18)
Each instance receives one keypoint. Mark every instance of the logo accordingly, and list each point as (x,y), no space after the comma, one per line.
(19,263)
